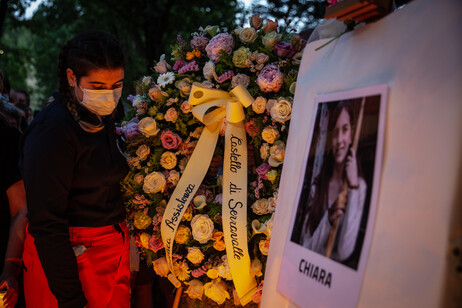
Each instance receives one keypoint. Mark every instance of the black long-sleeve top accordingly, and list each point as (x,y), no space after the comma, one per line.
(72,178)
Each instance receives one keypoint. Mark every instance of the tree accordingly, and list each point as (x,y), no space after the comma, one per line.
(303,14)
(146,29)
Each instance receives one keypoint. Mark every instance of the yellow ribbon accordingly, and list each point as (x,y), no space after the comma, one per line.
(211,106)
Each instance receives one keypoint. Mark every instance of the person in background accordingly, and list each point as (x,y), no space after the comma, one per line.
(12,115)
(76,251)
(23,103)
(13,210)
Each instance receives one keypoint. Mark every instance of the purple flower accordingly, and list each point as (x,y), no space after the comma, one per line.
(222,41)
(130,98)
(283,49)
(178,64)
(270,79)
(263,169)
(225,76)
(189,67)
(199,43)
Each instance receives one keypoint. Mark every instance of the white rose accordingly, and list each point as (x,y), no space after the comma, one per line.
(195,289)
(168,160)
(281,111)
(143,152)
(195,255)
(224,270)
(261,207)
(174,177)
(259,105)
(202,228)
(240,79)
(171,115)
(148,127)
(209,71)
(154,182)
(269,134)
(248,35)
(264,151)
(161,267)
(277,153)
(216,291)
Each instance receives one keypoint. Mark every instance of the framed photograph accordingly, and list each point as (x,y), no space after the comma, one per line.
(333,220)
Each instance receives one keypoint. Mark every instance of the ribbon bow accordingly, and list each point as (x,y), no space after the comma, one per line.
(211,106)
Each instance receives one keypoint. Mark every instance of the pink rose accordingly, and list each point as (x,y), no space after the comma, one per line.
(170,140)
(283,49)
(270,79)
(155,244)
(270,26)
(252,129)
(263,169)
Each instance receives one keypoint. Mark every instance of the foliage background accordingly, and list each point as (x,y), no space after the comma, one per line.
(31,45)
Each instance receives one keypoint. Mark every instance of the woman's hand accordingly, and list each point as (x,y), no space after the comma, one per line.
(351,169)
(9,282)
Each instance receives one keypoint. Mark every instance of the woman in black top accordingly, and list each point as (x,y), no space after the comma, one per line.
(77,244)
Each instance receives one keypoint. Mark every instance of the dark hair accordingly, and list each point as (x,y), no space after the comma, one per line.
(320,199)
(84,53)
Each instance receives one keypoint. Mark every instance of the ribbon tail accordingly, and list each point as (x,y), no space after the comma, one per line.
(187,186)
(235,210)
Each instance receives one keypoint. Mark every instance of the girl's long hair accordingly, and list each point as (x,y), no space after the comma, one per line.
(319,202)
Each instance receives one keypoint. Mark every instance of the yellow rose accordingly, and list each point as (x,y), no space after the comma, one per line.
(195,255)
(281,110)
(202,228)
(264,151)
(259,105)
(264,247)
(144,239)
(272,175)
(168,160)
(154,182)
(182,234)
(212,273)
(187,214)
(219,245)
(269,134)
(171,115)
(223,269)
(161,267)
(148,127)
(156,94)
(143,152)
(270,39)
(184,86)
(261,207)
(248,35)
(216,291)
(240,57)
(141,220)
(195,289)
(277,153)
(255,268)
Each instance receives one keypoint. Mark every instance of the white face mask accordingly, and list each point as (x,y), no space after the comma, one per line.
(101,102)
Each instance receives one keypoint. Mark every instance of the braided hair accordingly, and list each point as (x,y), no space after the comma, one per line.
(84,53)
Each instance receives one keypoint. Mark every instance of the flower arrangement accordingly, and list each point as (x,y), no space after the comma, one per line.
(163,133)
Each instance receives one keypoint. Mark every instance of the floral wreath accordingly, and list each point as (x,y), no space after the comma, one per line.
(162,133)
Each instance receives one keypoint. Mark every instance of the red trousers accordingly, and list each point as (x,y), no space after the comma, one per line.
(103,268)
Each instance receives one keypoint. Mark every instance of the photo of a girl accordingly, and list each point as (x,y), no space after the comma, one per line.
(334,202)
